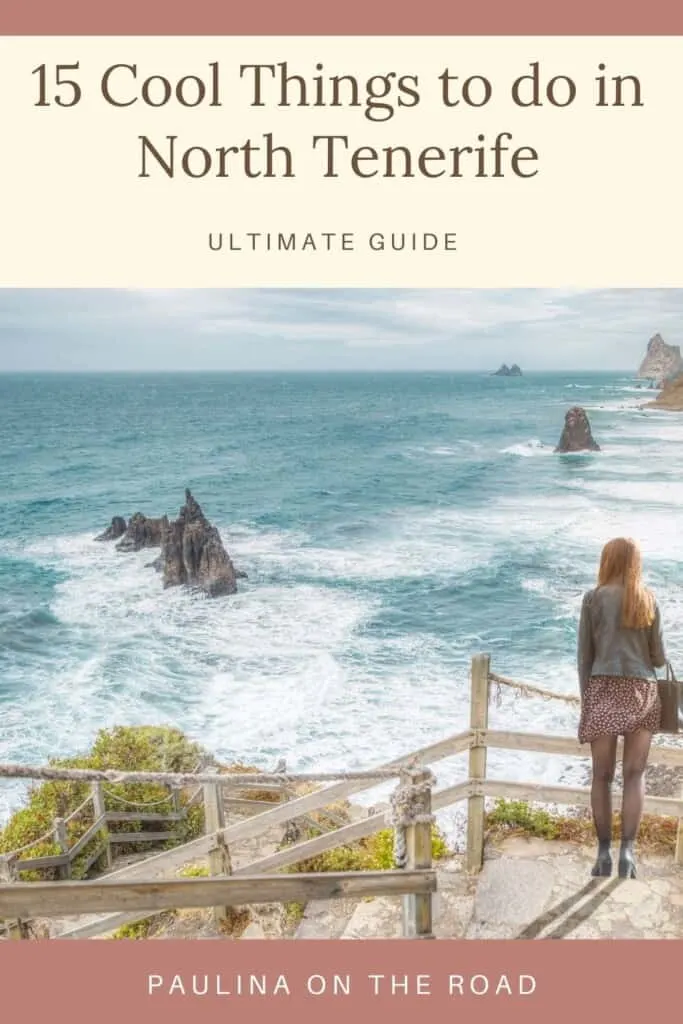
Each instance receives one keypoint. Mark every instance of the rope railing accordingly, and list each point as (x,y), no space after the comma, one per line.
(241,780)
(529,690)
(138,803)
(32,845)
(79,810)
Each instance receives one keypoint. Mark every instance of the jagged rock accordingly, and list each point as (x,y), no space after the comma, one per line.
(508,371)
(670,397)
(142,532)
(577,435)
(116,529)
(661,361)
(192,553)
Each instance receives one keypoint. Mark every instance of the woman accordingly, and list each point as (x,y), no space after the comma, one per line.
(620,645)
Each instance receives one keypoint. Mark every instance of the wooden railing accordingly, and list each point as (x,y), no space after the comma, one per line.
(15,862)
(482,738)
(123,897)
(130,889)
(19,861)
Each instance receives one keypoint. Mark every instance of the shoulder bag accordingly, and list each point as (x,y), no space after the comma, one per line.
(671,702)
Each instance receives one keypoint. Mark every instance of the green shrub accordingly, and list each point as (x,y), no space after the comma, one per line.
(131,748)
(293,912)
(194,871)
(143,929)
(376,853)
(519,816)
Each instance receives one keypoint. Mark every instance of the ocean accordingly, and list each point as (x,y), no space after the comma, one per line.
(391,525)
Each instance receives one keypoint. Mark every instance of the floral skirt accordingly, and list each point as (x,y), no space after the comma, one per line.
(615,705)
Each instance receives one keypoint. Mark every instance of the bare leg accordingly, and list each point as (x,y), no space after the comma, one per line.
(636,752)
(604,752)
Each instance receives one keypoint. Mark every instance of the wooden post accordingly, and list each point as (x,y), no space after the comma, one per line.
(17,929)
(99,811)
(62,842)
(417,908)
(678,855)
(176,808)
(214,822)
(479,722)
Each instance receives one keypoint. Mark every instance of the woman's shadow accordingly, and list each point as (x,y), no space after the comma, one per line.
(575,915)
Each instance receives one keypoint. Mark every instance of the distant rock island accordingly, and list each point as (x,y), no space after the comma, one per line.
(661,361)
(670,397)
(192,552)
(508,371)
(577,435)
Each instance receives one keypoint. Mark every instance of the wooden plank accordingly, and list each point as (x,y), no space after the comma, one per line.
(50,899)
(119,816)
(568,746)
(39,863)
(570,796)
(232,780)
(100,811)
(479,720)
(245,804)
(140,837)
(94,829)
(255,826)
(63,843)
(451,795)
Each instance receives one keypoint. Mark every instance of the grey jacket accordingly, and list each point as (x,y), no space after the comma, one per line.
(606,648)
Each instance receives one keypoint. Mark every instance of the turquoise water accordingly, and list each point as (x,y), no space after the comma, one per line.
(391,526)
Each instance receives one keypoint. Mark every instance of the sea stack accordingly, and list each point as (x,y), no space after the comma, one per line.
(192,553)
(661,361)
(508,371)
(577,435)
(116,529)
(142,532)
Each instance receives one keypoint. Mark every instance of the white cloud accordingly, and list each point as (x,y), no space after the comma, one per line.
(338,329)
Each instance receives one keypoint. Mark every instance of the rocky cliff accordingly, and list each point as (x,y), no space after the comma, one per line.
(670,397)
(661,361)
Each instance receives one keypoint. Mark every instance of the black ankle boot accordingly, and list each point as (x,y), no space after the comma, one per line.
(627,860)
(603,865)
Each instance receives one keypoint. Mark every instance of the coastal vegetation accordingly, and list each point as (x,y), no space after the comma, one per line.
(374,853)
(519,818)
(133,748)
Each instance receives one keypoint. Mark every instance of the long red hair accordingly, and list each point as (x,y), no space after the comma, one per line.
(620,562)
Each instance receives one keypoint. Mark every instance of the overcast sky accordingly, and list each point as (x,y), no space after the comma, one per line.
(333,329)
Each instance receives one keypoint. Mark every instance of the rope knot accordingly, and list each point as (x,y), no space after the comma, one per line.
(410,805)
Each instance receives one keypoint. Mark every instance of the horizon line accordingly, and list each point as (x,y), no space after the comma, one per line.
(312,370)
